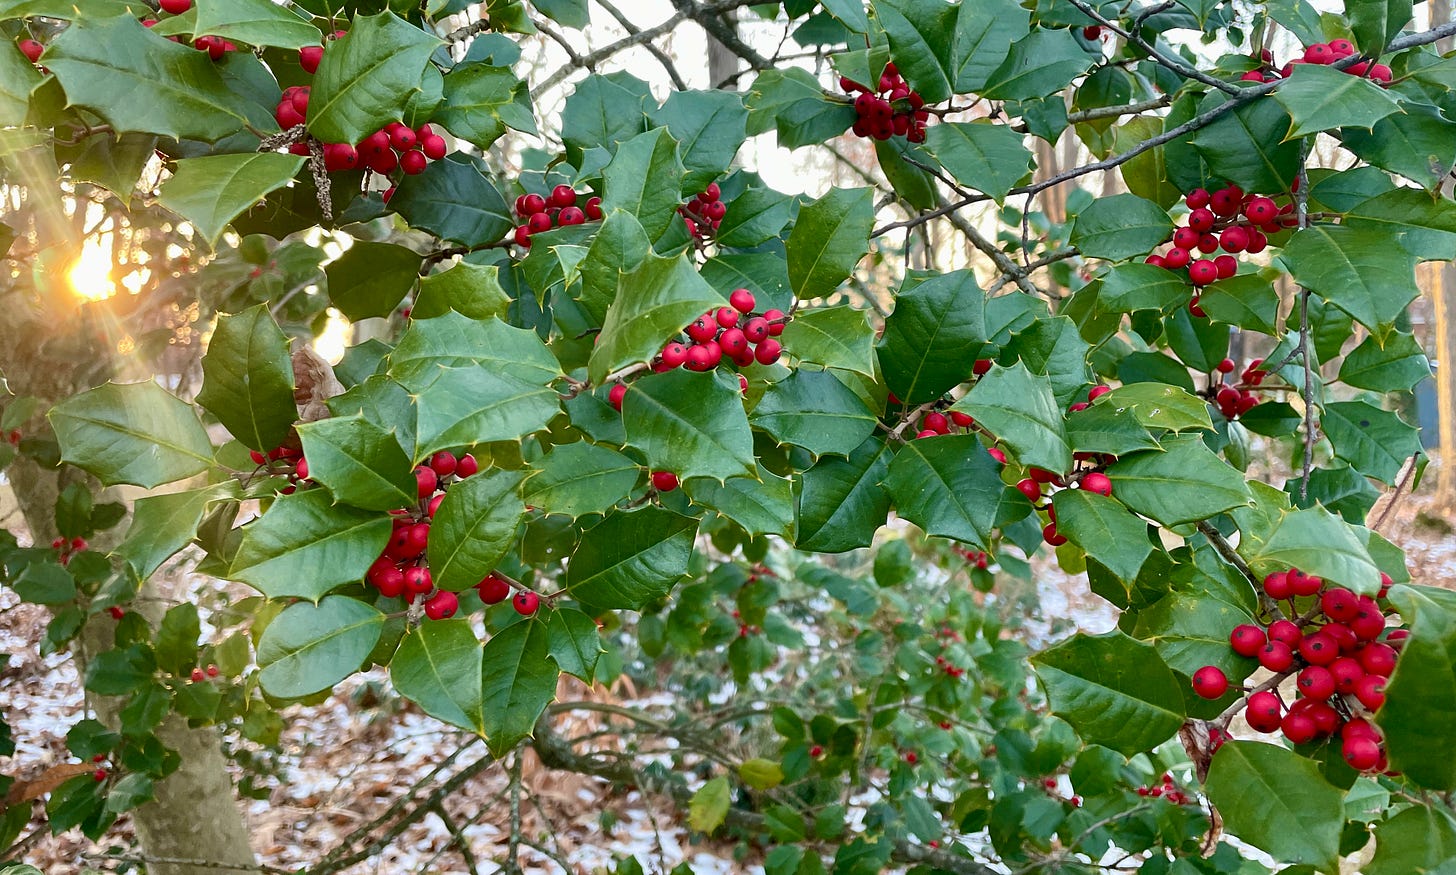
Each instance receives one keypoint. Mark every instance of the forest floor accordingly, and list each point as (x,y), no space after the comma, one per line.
(341,764)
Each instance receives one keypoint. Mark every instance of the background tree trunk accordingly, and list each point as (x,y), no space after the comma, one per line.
(1442,291)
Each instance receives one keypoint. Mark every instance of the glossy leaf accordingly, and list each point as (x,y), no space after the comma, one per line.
(1277,800)
(438,667)
(1160,406)
(709,126)
(1320,98)
(1183,483)
(1318,543)
(761,506)
(254,23)
(370,279)
(833,337)
(630,559)
(480,101)
(472,290)
(840,503)
(1375,442)
(134,433)
(453,199)
(983,35)
(931,340)
(1104,529)
(161,525)
(645,180)
(816,411)
(1040,63)
(829,238)
(1421,838)
(1120,227)
(1396,367)
(1417,715)
(474,527)
(1116,691)
(690,424)
(654,302)
(580,478)
(1020,409)
(949,486)
(575,642)
(308,648)
(987,157)
(1356,270)
(357,88)
(920,40)
(247,378)
(360,463)
(520,681)
(305,545)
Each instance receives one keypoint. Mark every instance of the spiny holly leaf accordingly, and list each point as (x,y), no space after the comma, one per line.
(949,486)
(468,405)
(370,279)
(1375,442)
(472,290)
(754,216)
(629,560)
(254,23)
(1105,428)
(1114,690)
(1357,270)
(161,525)
(520,681)
(247,378)
(709,126)
(1374,23)
(1019,407)
(580,478)
(690,424)
(136,80)
(814,410)
(438,667)
(920,39)
(365,77)
(18,76)
(833,337)
(1104,529)
(761,506)
(1396,367)
(1421,838)
(1316,542)
(1158,405)
(1426,226)
(1183,483)
(1321,98)
(1120,227)
(474,527)
(308,648)
(480,101)
(645,179)
(1416,143)
(654,302)
(1278,801)
(360,463)
(1130,287)
(305,545)
(840,503)
(1040,63)
(454,199)
(988,157)
(1246,145)
(605,111)
(453,340)
(135,433)
(1419,718)
(984,31)
(931,340)
(829,238)
(575,642)
(1248,301)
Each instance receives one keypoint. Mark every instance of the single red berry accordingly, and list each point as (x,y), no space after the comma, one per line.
(1098,482)
(532,204)
(434,506)
(936,422)
(1226,201)
(116,612)
(1097,392)
(776,320)
(1370,690)
(1319,648)
(1197,198)
(571,216)
(1340,604)
(911,758)
(1176,258)
(1286,631)
(726,317)
(1201,220)
(756,329)
(1185,238)
(664,481)
(616,394)
(1299,727)
(493,589)
(539,222)
(340,156)
(466,466)
(1226,366)
(1304,584)
(1264,712)
(1000,456)
(816,751)
(31,49)
(413,162)
(198,675)
(1092,33)
(1360,753)
(1342,48)
(1247,639)
(1377,659)
(1050,534)
(703,329)
(417,580)
(963,420)
(1381,73)
(401,136)
(309,58)
(1276,656)
(1319,53)
(768,352)
(212,671)
(1347,672)
(1277,583)
(563,196)
(100,774)
(594,208)
(1261,210)
(1210,682)
(426,480)
(175,7)
(672,355)
(1030,488)
(442,605)
(1226,266)
(1202,272)
(1234,239)
(742,300)
(1316,682)
(526,603)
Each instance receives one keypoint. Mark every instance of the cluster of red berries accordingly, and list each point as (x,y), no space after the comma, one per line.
(979,558)
(215,46)
(1341,662)
(879,117)
(66,548)
(284,461)
(935,423)
(1168,790)
(1235,400)
(199,675)
(496,588)
(1321,54)
(558,210)
(717,335)
(1226,219)
(704,213)
(396,146)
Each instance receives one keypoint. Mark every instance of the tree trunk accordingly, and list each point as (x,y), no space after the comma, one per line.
(1442,291)
(722,62)
(195,815)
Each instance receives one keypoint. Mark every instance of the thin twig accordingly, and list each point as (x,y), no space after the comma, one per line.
(1301,211)
(1395,496)
(650,46)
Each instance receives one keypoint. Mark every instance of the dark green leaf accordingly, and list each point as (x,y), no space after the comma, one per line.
(575,643)
(454,200)
(1019,408)
(654,302)
(364,75)
(833,337)
(645,180)
(1417,144)
(480,101)
(1397,367)
(1418,718)
(255,23)
(305,545)
(840,501)
(829,238)
(1184,483)
(133,433)
(1040,63)
(370,279)
(931,340)
(921,33)
(308,648)
(1316,542)
(580,478)
(604,111)
(987,157)
(1116,691)
(472,290)
(1120,227)
(691,424)
(949,486)
(520,681)
(1321,98)
(1375,442)
(474,527)
(247,378)
(814,410)
(709,127)
(360,463)
(984,31)
(438,667)
(630,559)
(1419,839)
(762,506)
(1357,270)
(1277,800)
(1104,529)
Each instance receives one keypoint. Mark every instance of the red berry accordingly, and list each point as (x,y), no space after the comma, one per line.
(1028,487)
(539,222)
(1097,392)
(198,675)
(1202,272)
(1098,482)
(1176,258)
(413,162)
(1210,682)
(1319,53)
(936,422)
(1226,366)
(533,204)
(1319,648)
(1340,604)
(726,317)
(963,420)
(340,156)
(31,49)
(1347,672)
(768,352)
(466,466)
(1276,656)
(563,196)
(1261,210)
(1304,584)
(1316,682)
(672,355)
(116,612)
(100,774)
(401,136)
(175,7)
(309,58)
(442,605)
(1277,583)
(417,580)
(1247,639)
(594,208)
(1285,631)
(493,589)
(1381,73)
(1342,48)
(1050,534)
(776,321)
(911,758)
(1377,659)
(526,603)
(997,454)
(1361,753)
(571,216)
(664,481)
(443,463)
(1092,33)
(1299,727)
(1264,712)
(1226,201)
(1197,198)
(1370,690)
(212,671)
(742,300)
(616,394)
(1185,238)
(1201,220)
(1234,239)
(756,329)
(425,481)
